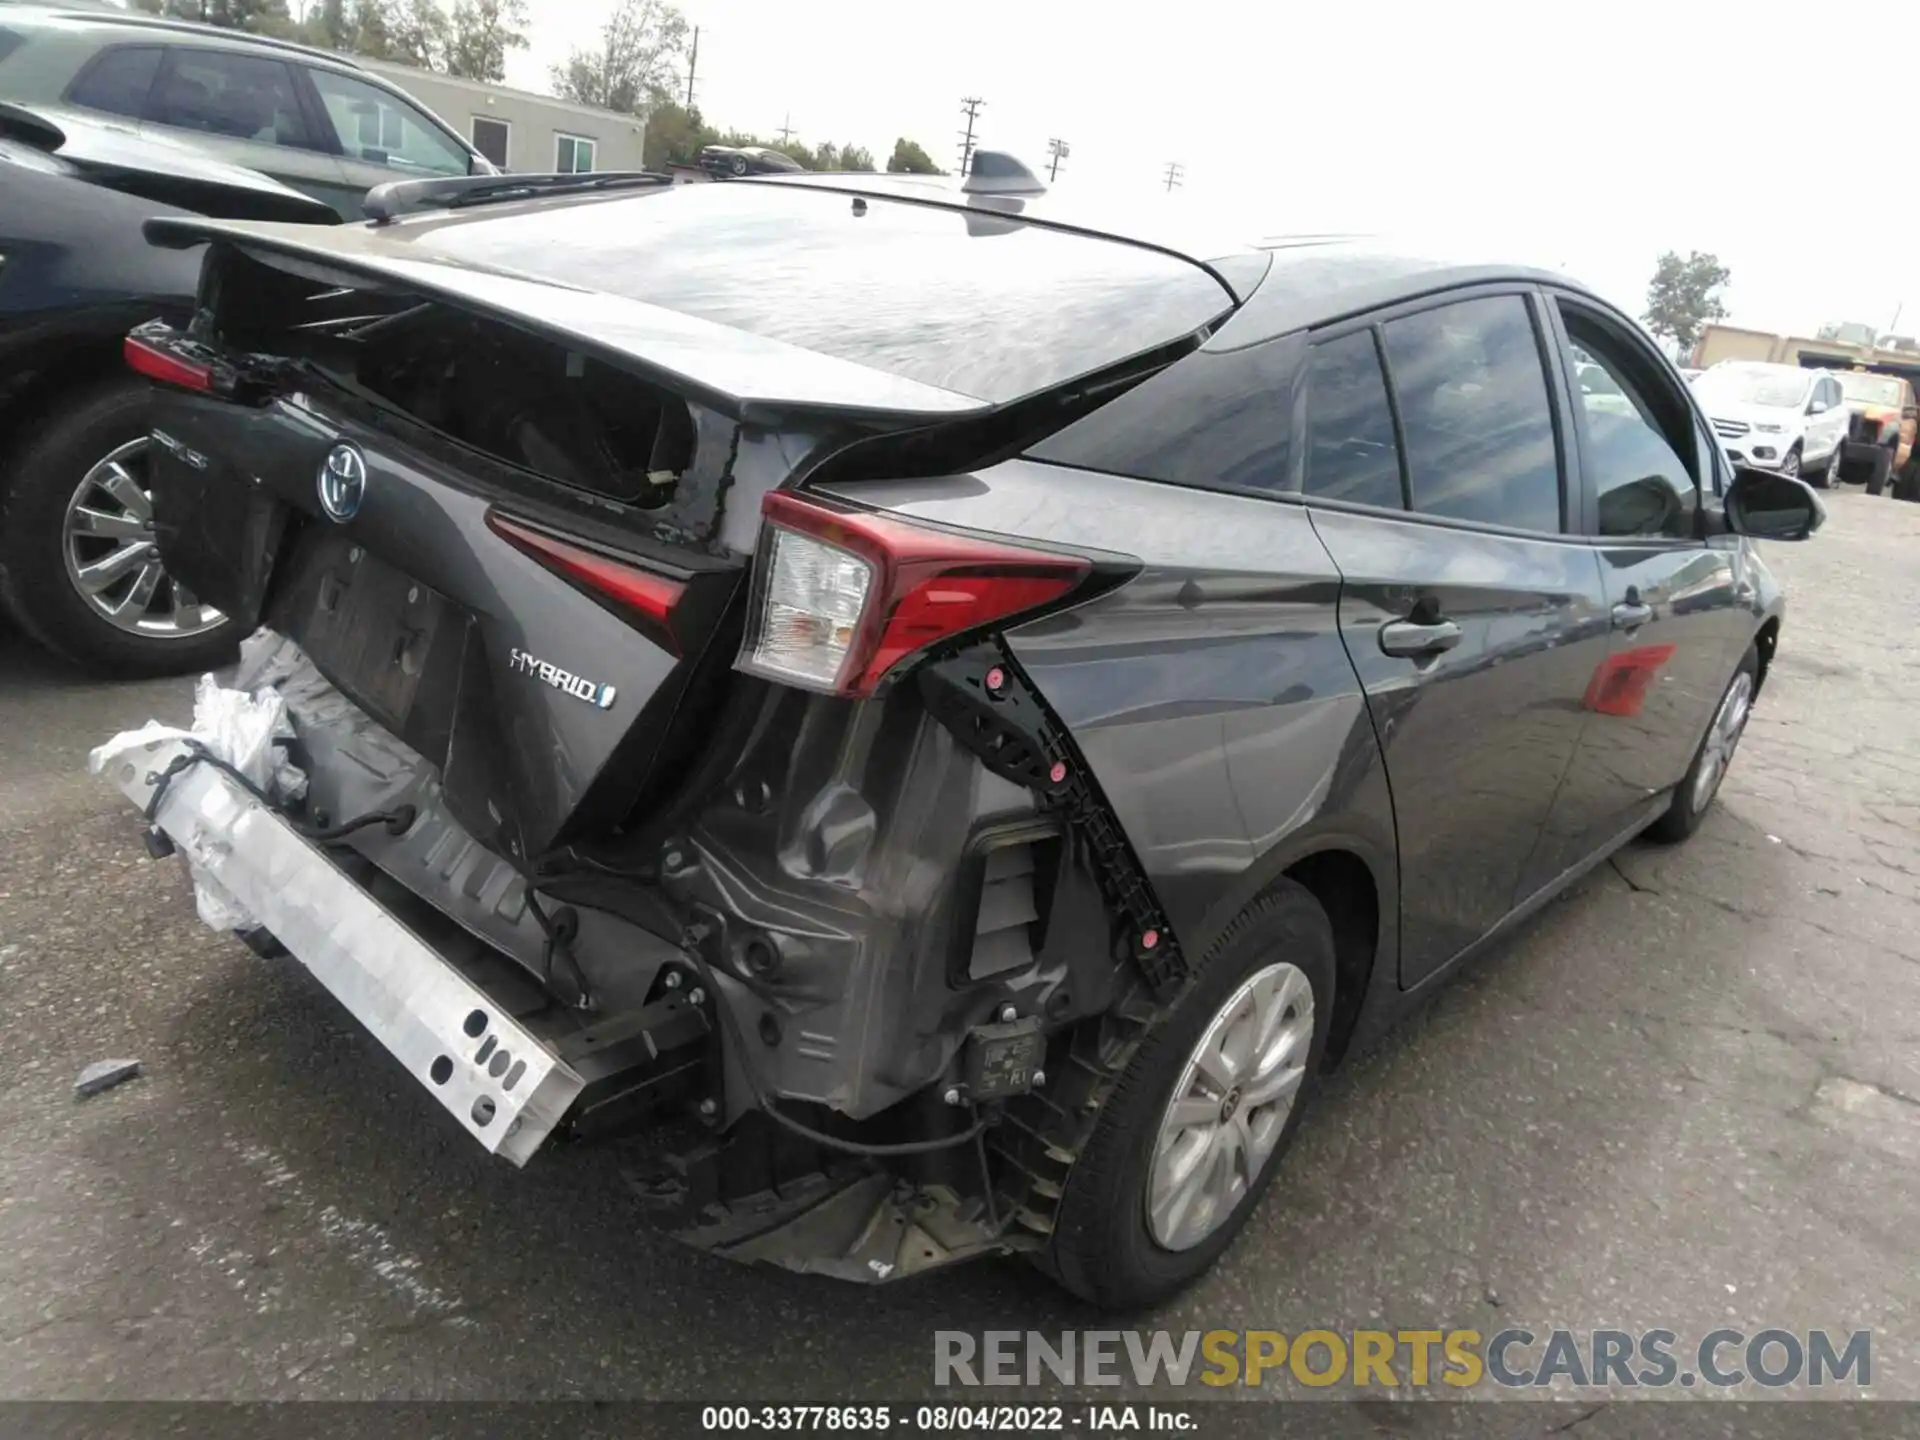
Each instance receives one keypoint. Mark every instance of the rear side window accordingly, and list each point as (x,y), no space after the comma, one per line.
(1473,406)
(118,81)
(1217,420)
(10,41)
(373,125)
(1351,454)
(239,97)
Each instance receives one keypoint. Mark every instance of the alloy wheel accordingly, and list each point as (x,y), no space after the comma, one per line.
(1230,1105)
(112,560)
(1835,465)
(1791,465)
(1723,738)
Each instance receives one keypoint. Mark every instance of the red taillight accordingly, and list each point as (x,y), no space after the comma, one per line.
(650,597)
(158,363)
(842,596)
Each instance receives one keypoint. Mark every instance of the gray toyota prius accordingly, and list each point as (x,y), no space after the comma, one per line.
(931,719)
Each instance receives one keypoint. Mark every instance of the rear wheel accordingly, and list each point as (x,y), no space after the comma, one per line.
(1193,1131)
(1696,792)
(1877,476)
(79,569)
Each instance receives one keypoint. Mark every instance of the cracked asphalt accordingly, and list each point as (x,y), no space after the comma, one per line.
(1686,1096)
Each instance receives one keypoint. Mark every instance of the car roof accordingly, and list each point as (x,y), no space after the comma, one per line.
(1320,279)
(28,14)
(1232,258)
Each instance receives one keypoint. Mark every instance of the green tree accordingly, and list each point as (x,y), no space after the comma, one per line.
(1683,297)
(854,157)
(258,17)
(367,30)
(482,34)
(675,135)
(418,33)
(909,159)
(328,26)
(635,62)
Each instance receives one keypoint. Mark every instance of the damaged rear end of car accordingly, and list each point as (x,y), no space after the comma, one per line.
(658,790)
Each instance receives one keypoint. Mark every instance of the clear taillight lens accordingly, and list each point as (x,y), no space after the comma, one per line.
(810,609)
(843,596)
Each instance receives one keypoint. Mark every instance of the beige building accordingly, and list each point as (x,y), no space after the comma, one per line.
(519,130)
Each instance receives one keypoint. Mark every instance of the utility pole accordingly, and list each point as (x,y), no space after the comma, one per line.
(970,107)
(1174,171)
(1059,150)
(693,63)
(785,132)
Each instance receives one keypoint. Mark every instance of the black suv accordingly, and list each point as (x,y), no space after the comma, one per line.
(949,745)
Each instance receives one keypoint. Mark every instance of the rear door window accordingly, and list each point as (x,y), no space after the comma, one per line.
(1351,453)
(238,97)
(117,81)
(376,126)
(1473,407)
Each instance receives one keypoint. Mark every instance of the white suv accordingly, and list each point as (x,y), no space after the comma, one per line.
(1779,417)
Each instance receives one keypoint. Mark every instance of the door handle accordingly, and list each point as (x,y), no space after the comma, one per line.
(1631,615)
(1413,637)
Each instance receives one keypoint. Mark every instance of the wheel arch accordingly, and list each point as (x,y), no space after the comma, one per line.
(1765,641)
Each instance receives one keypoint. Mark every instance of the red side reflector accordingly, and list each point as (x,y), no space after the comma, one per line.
(168,368)
(649,596)
(928,586)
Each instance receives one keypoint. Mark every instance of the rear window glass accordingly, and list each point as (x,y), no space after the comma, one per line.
(10,41)
(975,302)
(118,81)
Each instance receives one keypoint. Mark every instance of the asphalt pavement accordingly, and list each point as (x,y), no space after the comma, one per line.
(1686,1096)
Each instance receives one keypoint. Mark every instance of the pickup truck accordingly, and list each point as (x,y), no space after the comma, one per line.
(1880,427)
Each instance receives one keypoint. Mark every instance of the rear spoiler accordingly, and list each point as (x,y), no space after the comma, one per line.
(736,373)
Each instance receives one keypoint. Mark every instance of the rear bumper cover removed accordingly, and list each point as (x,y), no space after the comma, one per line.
(507,1088)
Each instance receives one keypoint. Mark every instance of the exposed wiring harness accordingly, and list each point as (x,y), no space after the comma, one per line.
(398,820)
(560,928)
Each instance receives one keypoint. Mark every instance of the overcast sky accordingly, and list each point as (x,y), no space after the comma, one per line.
(1590,136)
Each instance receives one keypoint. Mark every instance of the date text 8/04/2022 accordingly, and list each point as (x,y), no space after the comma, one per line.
(935,1419)
(1511,1358)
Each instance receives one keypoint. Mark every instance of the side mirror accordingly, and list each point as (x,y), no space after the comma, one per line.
(1818,407)
(1771,506)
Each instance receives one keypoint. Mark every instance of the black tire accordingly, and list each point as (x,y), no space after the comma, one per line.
(1790,462)
(1101,1248)
(37,481)
(1834,474)
(738,164)
(1882,465)
(1685,812)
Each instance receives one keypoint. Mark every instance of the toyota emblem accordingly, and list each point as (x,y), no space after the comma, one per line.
(343,483)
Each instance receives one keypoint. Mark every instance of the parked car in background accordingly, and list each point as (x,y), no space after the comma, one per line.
(1880,424)
(1081,677)
(78,567)
(732,161)
(1778,417)
(308,118)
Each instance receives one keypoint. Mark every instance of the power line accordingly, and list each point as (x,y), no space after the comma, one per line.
(1174,172)
(970,107)
(1059,150)
(785,132)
